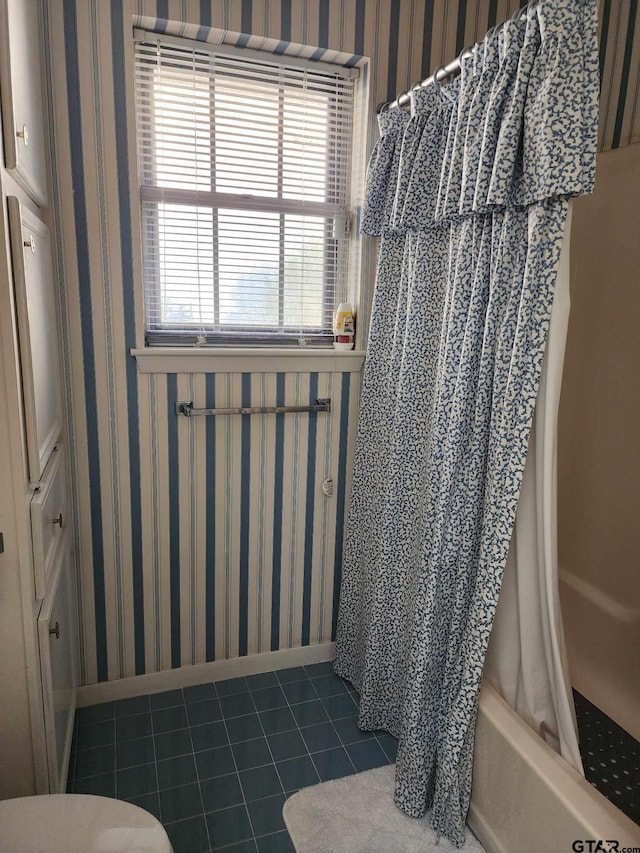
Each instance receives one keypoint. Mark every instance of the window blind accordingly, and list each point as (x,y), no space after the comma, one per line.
(244,166)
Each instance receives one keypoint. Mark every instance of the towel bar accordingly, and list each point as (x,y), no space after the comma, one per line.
(185,407)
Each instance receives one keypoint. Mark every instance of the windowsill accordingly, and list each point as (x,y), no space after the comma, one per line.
(255,360)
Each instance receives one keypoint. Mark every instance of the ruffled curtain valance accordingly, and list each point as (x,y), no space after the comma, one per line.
(469,194)
(518,126)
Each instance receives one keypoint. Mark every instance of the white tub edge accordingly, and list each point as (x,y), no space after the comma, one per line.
(526,798)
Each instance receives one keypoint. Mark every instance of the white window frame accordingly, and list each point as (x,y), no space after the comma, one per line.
(158,358)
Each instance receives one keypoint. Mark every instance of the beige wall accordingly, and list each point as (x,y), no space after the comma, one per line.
(599,443)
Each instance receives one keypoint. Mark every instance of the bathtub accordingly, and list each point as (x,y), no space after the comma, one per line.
(603,636)
(526,799)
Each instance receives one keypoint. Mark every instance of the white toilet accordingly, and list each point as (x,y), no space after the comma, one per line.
(78,823)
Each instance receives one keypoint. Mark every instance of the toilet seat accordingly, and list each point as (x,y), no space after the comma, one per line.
(78,823)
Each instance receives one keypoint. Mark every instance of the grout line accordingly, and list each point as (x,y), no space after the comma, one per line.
(299,729)
(374,732)
(193,756)
(264,734)
(235,764)
(155,762)
(288,704)
(195,752)
(224,719)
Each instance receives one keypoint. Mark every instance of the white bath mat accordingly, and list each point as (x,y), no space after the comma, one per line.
(357,814)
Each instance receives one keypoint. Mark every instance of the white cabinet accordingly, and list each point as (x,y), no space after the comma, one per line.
(38,635)
(35,296)
(22,106)
(49,517)
(57,633)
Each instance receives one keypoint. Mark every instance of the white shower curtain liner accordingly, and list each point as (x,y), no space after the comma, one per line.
(526,660)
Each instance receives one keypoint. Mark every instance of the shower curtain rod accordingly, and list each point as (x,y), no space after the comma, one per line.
(402,99)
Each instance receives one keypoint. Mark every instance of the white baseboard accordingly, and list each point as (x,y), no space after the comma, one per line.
(187,676)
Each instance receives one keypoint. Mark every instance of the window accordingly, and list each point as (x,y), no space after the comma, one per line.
(244,163)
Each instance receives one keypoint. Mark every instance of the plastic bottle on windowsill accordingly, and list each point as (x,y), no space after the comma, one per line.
(343,327)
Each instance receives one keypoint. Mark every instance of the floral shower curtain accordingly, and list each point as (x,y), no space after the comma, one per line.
(469,196)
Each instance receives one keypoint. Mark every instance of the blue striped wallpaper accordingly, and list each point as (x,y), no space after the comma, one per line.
(211,539)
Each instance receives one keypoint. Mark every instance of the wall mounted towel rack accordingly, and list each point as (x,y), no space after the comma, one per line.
(185,407)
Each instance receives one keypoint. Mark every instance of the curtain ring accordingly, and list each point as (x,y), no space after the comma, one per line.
(520,13)
(410,92)
(499,26)
(524,10)
(435,76)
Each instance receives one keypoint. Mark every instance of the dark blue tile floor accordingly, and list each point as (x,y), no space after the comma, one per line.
(216,762)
